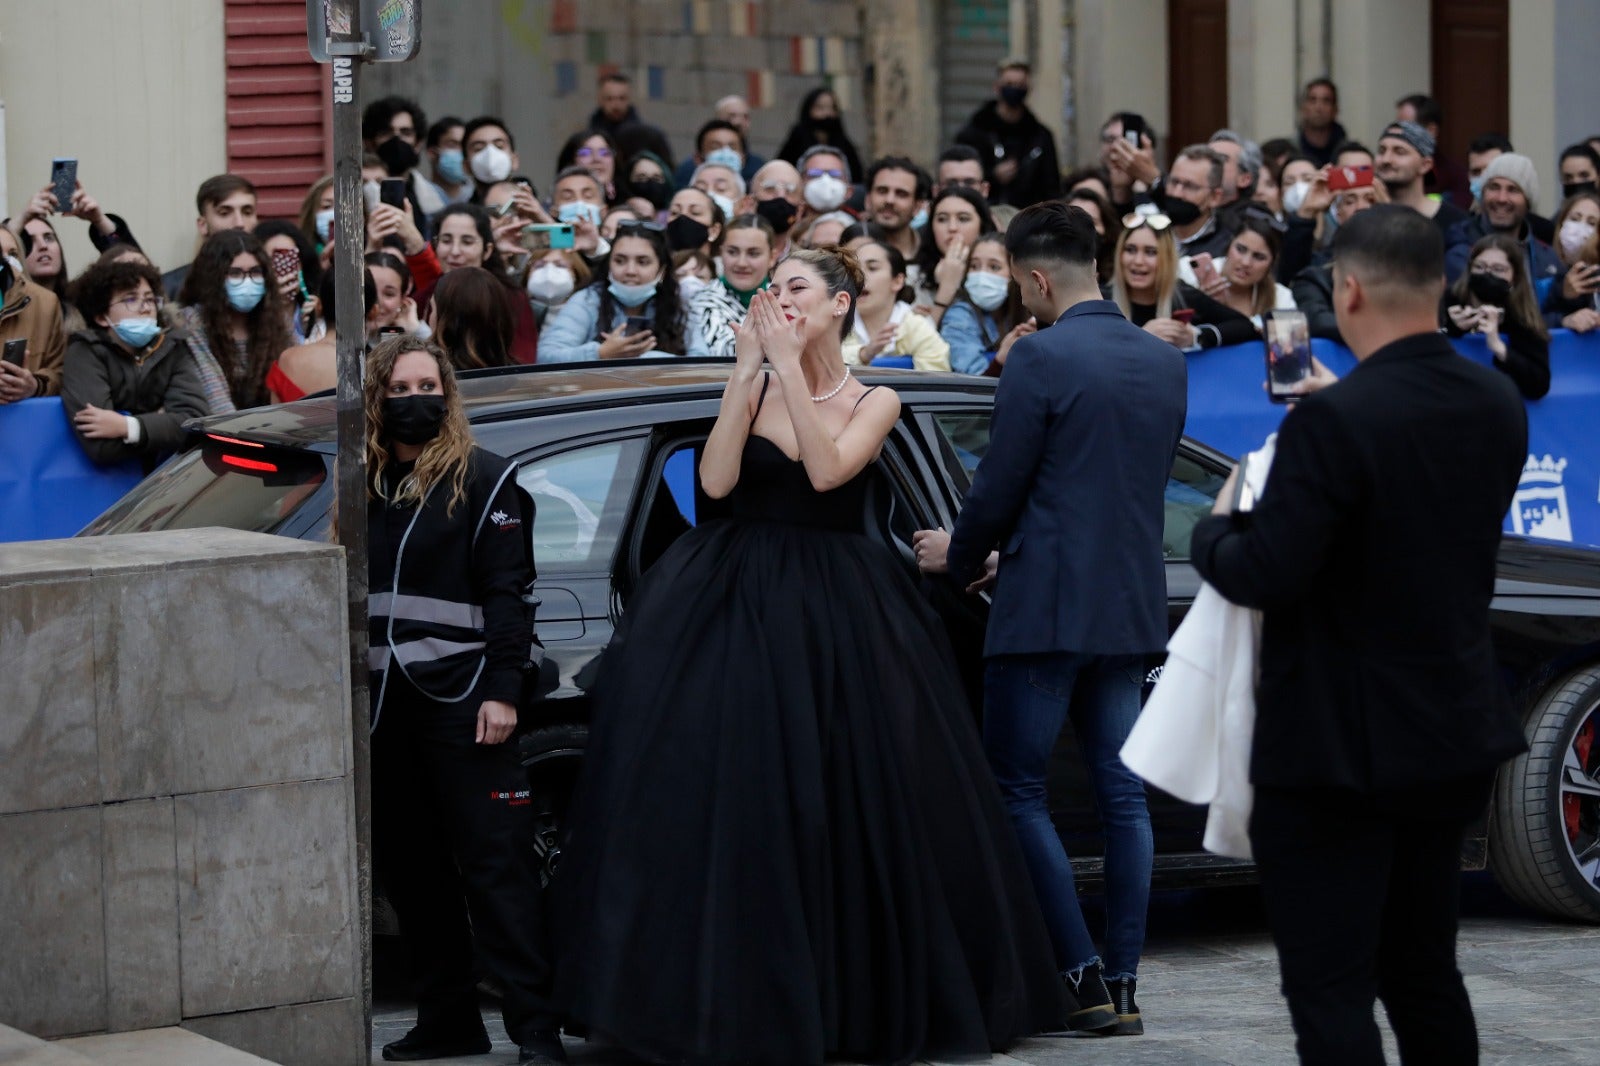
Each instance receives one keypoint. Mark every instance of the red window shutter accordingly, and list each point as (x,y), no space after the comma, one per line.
(278,131)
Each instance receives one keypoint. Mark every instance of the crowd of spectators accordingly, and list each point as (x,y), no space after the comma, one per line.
(629,252)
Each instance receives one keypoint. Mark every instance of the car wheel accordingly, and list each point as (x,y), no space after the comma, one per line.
(1544,840)
(552,756)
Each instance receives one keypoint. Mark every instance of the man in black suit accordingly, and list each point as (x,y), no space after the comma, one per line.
(1086,423)
(1380,716)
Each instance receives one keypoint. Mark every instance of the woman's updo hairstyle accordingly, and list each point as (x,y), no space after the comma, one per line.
(840,271)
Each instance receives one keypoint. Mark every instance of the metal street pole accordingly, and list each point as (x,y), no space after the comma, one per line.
(348,50)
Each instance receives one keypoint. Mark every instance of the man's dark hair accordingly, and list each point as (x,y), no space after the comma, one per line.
(960,153)
(1489,142)
(1055,232)
(486,120)
(924,184)
(376,118)
(1429,113)
(1351,146)
(327,295)
(93,289)
(1277,151)
(1392,247)
(615,76)
(216,189)
(718,124)
(575,171)
(437,131)
(1328,82)
(1214,160)
(1582,150)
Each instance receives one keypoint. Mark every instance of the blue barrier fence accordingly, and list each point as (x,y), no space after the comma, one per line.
(49,488)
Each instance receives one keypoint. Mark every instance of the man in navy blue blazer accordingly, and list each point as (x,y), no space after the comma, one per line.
(1086,423)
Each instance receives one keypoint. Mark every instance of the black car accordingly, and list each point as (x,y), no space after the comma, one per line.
(609,453)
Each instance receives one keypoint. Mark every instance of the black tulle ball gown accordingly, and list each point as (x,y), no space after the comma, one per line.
(786,846)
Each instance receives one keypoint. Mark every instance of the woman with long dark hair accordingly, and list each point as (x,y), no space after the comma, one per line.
(987,317)
(465,236)
(1494,297)
(470,319)
(449,564)
(958,218)
(238,322)
(787,845)
(638,283)
(820,123)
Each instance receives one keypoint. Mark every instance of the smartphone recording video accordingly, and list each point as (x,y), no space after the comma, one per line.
(1286,336)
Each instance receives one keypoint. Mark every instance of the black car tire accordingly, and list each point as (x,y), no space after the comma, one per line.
(1530,852)
(551,755)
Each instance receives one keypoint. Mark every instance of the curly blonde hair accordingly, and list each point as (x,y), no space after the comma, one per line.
(445,457)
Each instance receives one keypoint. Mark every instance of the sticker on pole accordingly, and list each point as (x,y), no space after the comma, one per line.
(385,31)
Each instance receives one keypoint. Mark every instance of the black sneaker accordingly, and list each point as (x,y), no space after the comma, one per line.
(1128,1021)
(543,1046)
(1089,1007)
(419,1046)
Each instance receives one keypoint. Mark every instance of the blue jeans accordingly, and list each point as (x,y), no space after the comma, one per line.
(1027,699)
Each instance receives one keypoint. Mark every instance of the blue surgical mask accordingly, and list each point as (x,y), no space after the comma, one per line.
(633,295)
(576,209)
(1475,186)
(920,219)
(727,157)
(137,332)
(988,291)
(452,166)
(244,295)
(324,225)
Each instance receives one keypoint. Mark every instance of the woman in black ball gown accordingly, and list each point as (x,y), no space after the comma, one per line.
(787,845)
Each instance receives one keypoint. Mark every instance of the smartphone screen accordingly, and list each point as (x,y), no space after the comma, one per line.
(635,325)
(392,191)
(1286,337)
(15,351)
(63,181)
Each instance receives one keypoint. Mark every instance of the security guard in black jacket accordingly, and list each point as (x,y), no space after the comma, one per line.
(450,634)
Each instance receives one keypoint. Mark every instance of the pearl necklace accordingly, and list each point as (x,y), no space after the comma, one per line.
(831,393)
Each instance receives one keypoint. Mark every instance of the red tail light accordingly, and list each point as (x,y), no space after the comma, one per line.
(235,440)
(254,465)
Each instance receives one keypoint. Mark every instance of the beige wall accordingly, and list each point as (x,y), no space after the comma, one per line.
(133,89)
(1380,53)
(1119,54)
(1533,94)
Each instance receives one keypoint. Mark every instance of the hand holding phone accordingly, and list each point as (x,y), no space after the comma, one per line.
(1342,178)
(15,352)
(392,191)
(1286,337)
(1184,315)
(63,182)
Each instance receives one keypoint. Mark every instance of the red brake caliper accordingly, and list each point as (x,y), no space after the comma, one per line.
(1583,743)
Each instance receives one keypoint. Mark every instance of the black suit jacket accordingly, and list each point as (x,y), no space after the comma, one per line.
(1372,555)
(1087,419)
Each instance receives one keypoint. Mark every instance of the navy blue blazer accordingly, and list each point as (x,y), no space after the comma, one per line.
(1087,421)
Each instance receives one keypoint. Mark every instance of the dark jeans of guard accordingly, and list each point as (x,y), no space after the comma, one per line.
(452,837)
(1362,895)
(1027,699)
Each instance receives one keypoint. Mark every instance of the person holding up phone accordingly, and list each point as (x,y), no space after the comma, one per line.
(1577,225)
(1495,296)
(30,314)
(1145,286)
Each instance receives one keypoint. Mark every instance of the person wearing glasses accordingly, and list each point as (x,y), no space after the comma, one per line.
(594,152)
(775,196)
(237,323)
(1145,286)
(632,310)
(826,179)
(1495,299)
(128,384)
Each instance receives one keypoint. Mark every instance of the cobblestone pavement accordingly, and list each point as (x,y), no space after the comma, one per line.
(1209,992)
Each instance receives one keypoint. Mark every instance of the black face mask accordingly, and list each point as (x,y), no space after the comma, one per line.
(413,419)
(1489,289)
(684,233)
(779,214)
(1181,211)
(398,156)
(657,191)
(1013,94)
(1574,188)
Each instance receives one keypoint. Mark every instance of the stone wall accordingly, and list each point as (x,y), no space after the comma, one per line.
(177,842)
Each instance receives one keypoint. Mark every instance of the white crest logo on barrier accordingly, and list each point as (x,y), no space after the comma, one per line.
(1539,508)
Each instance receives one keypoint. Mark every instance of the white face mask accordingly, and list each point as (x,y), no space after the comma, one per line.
(825,193)
(1575,233)
(491,164)
(988,291)
(1295,195)
(551,283)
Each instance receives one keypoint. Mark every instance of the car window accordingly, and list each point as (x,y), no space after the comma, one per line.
(213,485)
(580,499)
(1191,489)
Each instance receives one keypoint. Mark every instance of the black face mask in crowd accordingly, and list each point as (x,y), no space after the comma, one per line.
(657,191)
(413,419)
(684,233)
(1573,188)
(1489,289)
(1013,94)
(1181,211)
(398,156)
(779,213)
